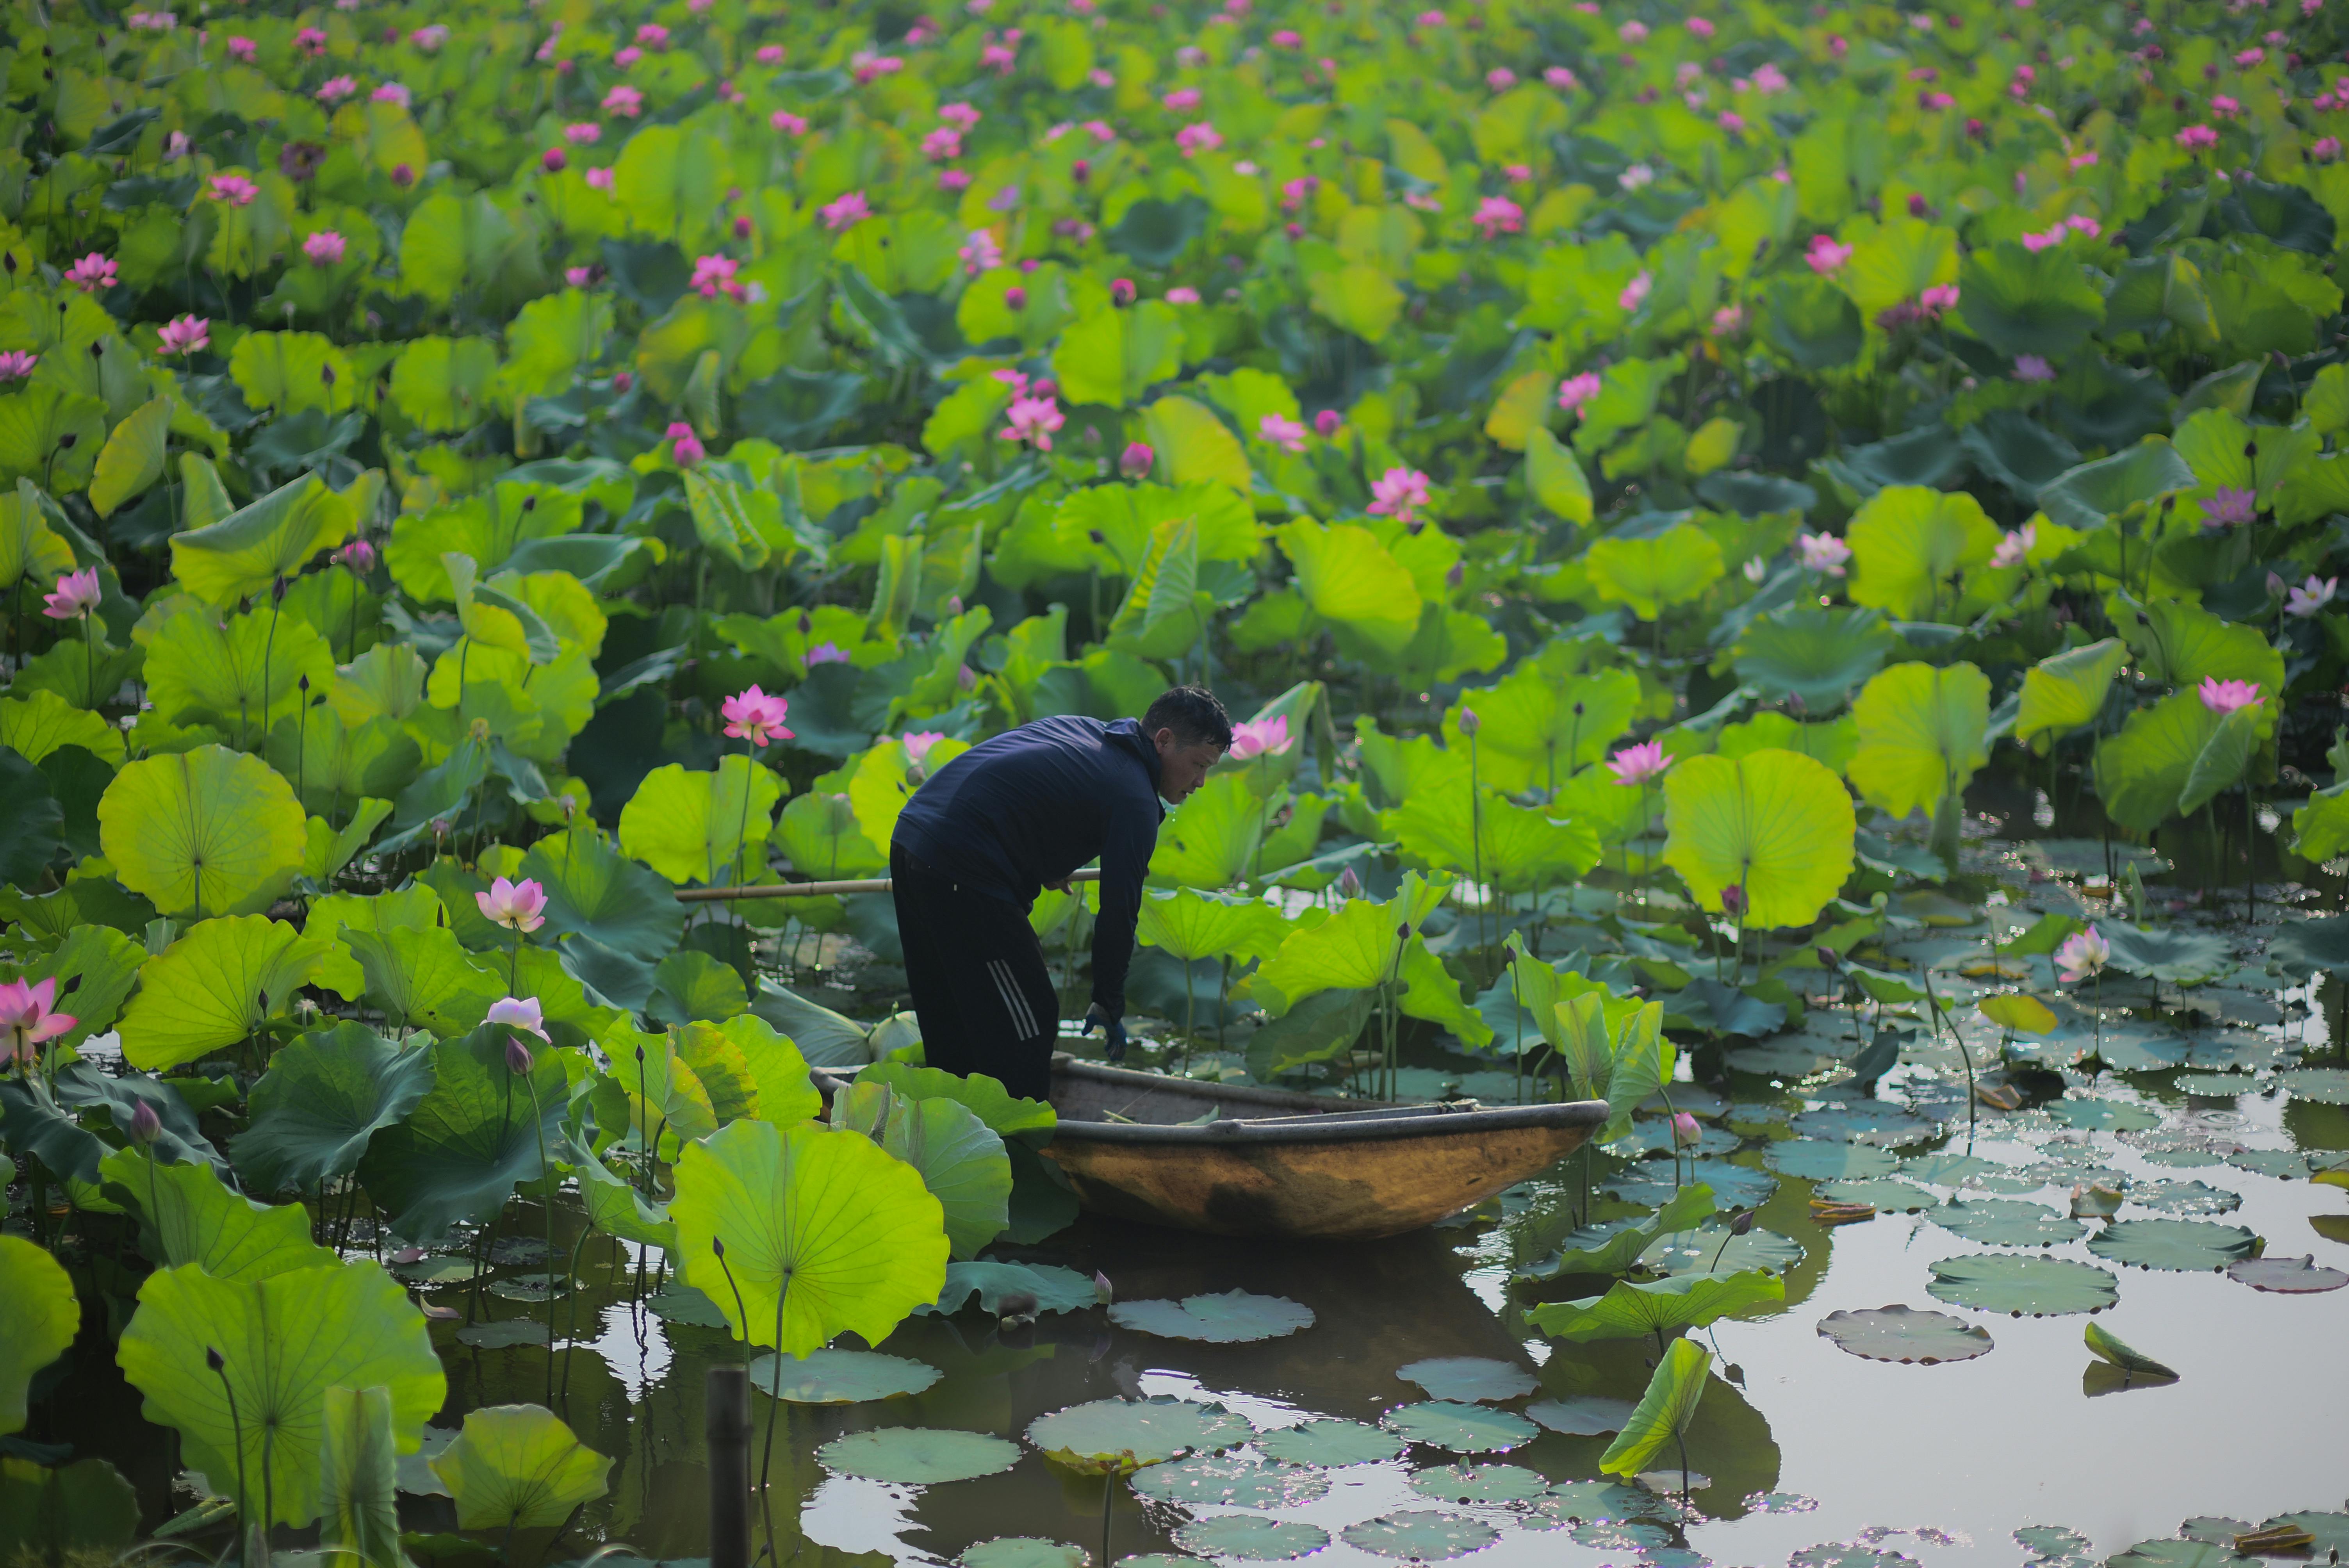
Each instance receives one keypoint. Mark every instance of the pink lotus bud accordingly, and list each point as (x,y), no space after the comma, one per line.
(1469,723)
(1686,1131)
(1326,423)
(1136,461)
(1015,297)
(146,1127)
(554,159)
(518,1057)
(1121,290)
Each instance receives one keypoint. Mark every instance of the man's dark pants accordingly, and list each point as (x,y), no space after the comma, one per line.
(982,989)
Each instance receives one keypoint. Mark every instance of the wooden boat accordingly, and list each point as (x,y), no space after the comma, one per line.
(1275,1163)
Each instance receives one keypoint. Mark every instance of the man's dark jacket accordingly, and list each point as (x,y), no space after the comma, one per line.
(1020,811)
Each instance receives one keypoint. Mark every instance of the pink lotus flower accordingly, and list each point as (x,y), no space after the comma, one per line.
(516,905)
(1559,77)
(324,248)
(25,1020)
(1121,292)
(518,1013)
(954,179)
(1635,292)
(579,277)
(1633,32)
(17,363)
(787,122)
(582,133)
(2016,545)
(428,38)
(1182,100)
(1288,38)
(1728,320)
(390,92)
(626,57)
(77,595)
(2032,367)
(1033,419)
(1700,26)
(598,179)
(865,66)
(2223,698)
(1500,78)
(846,212)
(1195,140)
(1937,299)
(335,89)
(1183,295)
(2325,149)
(1260,738)
(1826,257)
(1399,493)
(92,272)
(1497,215)
(918,744)
(554,161)
(623,100)
(242,50)
(1824,552)
(980,252)
(684,445)
(2228,506)
(942,144)
(235,189)
(2224,108)
(185,334)
(1136,461)
(998,58)
(1099,129)
(2083,956)
(1284,433)
(311,41)
(770,54)
(652,35)
(961,116)
(1641,763)
(714,276)
(825,654)
(1575,393)
(2311,596)
(2197,138)
(752,716)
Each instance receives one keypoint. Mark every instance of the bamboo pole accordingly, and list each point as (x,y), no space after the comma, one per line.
(813,889)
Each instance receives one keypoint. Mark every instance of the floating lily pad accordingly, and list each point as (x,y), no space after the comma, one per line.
(2181,1159)
(2330,1531)
(1885,1194)
(1639,1536)
(681,1304)
(1733,1186)
(415,1471)
(1848,1554)
(1330,1443)
(839,1376)
(1947,1170)
(1251,1537)
(1865,1122)
(2184,1198)
(1595,1502)
(2214,1086)
(2216,1530)
(2325,1086)
(1818,1161)
(2052,1541)
(531,1288)
(1160,1560)
(1584,1416)
(1421,1535)
(2175,1555)
(2005,1222)
(1117,1435)
(1222,1480)
(1656,1137)
(1474,1379)
(1233,1317)
(2189,1246)
(1781,1503)
(504,1333)
(1906,1335)
(1695,1251)
(2037,1287)
(918,1456)
(1479,1483)
(2286,1276)
(1463,1429)
(2103,1115)
(2284,1164)
(1025,1551)
(433,1273)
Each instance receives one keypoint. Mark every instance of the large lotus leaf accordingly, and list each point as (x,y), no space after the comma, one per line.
(840,1377)
(2312,946)
(1233,1317)
(283,1342)
(358,1505)
(1628,1310)
(1652,573)
(918,1456)
(2141,772)
(1474,1379)
(1463,1429)
(241,676)
(421,976)
(1421,1535)
(618,1207)
(213,987)
(1539,723)
(1215,839)
(1554,477)
(961,1161)
(2187,1246)
(1193,445)
(95,967)
(1582,1414)
(2067,691)
(1332,1443)
(1118,1437)
(1250,1538)
(1223,1480)
(601,894)
(2085,497)
(1359,947)
(474,1135)
(1615,1254)
(1664,1411)
(324,1096)
(518,1466)
(243,554)
(65,1514)
(36,722)
(2185,645)
(2005,1222)
(1002,1288)
(2181,957)
(823,1233)
(1348,579)
(1024,1551)
(204,832)
(187,1216)
(1713,1248)
(1776,824)
(693,827)
(1922,732)
(39,1316)
(1905,1335)
(2021,300)
(1910,546)
(1819,655)
(1007,1114)
(1192,925)
(1515,846)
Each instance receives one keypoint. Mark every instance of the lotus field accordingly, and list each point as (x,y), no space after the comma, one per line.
(1780,564)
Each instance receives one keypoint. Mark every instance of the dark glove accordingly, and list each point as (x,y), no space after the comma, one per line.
(1113,1030)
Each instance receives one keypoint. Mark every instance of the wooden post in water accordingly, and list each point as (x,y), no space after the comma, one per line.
(727,1424)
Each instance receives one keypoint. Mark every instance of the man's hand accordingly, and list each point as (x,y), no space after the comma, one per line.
(1114,1029)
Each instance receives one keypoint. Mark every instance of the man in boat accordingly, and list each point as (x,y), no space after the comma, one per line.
(1006,820)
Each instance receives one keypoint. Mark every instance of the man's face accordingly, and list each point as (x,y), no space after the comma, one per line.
(1182,769)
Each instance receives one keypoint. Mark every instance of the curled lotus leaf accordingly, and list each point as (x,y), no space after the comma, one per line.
(1906,1335)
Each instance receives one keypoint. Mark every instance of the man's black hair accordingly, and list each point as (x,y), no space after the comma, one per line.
(1192,713)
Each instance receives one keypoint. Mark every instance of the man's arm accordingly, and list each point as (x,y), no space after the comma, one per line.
(1126,860)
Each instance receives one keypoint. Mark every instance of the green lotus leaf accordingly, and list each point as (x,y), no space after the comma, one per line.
(1192,925)
(1461,1428)
(1582,1415)
(2318,1086)
(1008,1115)
(2005,1222)
(2185,645)
(1713,1248)
(1118,1437)
(1652,574)
(1359,947)
(2038,1288)
(2181,957)
(243,554)
(1233,1317)
(1554,477)
(694,986)
(1348,579)
(1618,1252)
(2083,498)
(1905,1335)
(1251,1538)
(474,1135)
(1193,445)
(2312,946)
(2108,1347)
(36,722)
(839,1376)
(1113,356)
(324,1096)
(213,987)
(2067,691)
(1832,742)
(1024,1551)
(487,529)
(2019,1014)
(1664,1411)
(1515,846)
(1911,545)
(39,1316)
(421,976)
(1474,1379)
(2185,1246)
(917,1456)
(95,967)
(519,1466)
(1883,1193)
(283,1342)
(1330,1443)
(961,1159)
(1421,1535)
(1542,722)
(1480,1484)
(999,1286)
(1220,1479)
(823,1234)
(1215,839)
(50,1516)
(690,826)
(1922,734)
(1776,824)
(187,1216)
(208,832)
(2029,302)
(358,1505)
(1628,1310)
(2141,772)
(1815,654)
